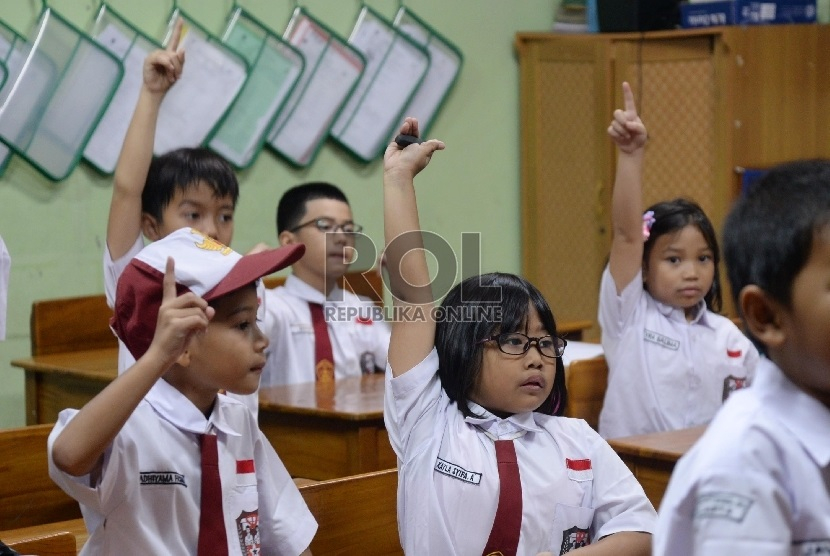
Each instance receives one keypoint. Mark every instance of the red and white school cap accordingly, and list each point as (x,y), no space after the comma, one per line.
(203,266)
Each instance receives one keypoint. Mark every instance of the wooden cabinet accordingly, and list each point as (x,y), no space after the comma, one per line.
(714,100)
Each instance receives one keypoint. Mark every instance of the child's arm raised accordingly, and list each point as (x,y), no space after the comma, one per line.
(413,329)
(629,133)
(81,444)
(162,68)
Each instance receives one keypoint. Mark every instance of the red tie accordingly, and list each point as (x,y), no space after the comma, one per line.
(212,538)
(504,537)
(323,355)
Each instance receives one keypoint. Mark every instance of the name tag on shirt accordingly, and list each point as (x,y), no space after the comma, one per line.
(660,340)
(456,472)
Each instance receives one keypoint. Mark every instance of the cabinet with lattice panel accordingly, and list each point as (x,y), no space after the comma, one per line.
(709,98)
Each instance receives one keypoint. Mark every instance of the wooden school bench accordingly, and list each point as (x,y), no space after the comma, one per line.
(355,515)
(59,543)
(27,494)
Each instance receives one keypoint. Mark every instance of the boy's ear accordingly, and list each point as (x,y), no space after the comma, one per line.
(150,226)
(184,359)
(762,316)
(287,238)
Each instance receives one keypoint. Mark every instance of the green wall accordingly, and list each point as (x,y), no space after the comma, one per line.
(55,232)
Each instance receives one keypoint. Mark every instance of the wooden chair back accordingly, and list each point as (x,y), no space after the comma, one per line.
(28,495)
(586,381)
(71,324)
(368,283)
(355,515)
(47,544)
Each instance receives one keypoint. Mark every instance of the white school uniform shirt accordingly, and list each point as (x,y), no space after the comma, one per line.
(665,373)
(359,335)
(112,272)
(448,481)
(5,268)
(757,482)
(146,499)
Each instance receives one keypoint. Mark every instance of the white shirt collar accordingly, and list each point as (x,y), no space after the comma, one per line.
(807,419)
(300,289)
(503,429)
(174,407)
(676,313)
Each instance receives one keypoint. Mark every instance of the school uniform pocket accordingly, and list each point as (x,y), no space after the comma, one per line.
(243,505)
(571,528)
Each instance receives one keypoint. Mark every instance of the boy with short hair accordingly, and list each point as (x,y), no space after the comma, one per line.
(758,481)
(312,336)
(132,455)
(189,187)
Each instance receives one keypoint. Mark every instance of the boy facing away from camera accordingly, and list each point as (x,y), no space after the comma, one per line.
(758,481)
(159,461)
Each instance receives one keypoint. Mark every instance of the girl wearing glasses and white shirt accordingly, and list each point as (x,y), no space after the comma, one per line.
(474,397)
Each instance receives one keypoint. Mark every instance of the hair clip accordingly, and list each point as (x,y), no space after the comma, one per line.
(648,222)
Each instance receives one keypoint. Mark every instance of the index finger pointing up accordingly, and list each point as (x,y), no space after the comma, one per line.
(628,98)
(173,45)
(169,284)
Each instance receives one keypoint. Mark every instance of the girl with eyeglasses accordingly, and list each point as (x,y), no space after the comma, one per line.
(672,360)
(473,407)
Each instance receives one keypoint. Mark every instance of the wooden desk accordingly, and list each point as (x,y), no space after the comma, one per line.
(652,457)
(324,434)
(318,435)
(74,526)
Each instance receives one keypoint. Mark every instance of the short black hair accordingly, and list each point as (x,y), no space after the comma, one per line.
(457,340)
(769,232)
(674,215)
(292,206)
(181,169)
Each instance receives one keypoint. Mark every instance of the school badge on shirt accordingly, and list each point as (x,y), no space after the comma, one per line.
(247,524)
(574,538)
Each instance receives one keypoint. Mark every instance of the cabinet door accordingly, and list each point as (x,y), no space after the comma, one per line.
(565,169)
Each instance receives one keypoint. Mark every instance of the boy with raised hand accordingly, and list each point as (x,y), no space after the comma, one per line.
(136,457)
(319,331)
(188,187)
(758,481)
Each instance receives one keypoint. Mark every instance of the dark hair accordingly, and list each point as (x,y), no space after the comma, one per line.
(768,235)
(674,215)
(184,168)
(292,206)
(457,340)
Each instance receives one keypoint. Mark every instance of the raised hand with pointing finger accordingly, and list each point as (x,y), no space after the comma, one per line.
(626,129)
(162,68)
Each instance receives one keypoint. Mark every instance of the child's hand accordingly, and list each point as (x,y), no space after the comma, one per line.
(413,158)
(162,68)
(259,248)
(626,129)
(180,318)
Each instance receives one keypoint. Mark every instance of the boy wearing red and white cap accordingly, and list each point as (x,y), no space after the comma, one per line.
(134,455)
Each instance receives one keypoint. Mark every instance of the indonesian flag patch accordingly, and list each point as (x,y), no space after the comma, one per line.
(579,469)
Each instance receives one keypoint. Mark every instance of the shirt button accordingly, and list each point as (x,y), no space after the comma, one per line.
(694,382)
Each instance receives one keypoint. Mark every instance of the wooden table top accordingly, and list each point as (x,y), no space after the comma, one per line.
(665,446)
(353,398)
(93,364)
(356,398)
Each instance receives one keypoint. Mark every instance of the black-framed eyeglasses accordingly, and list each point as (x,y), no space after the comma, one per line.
(516,343)
(327,225)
